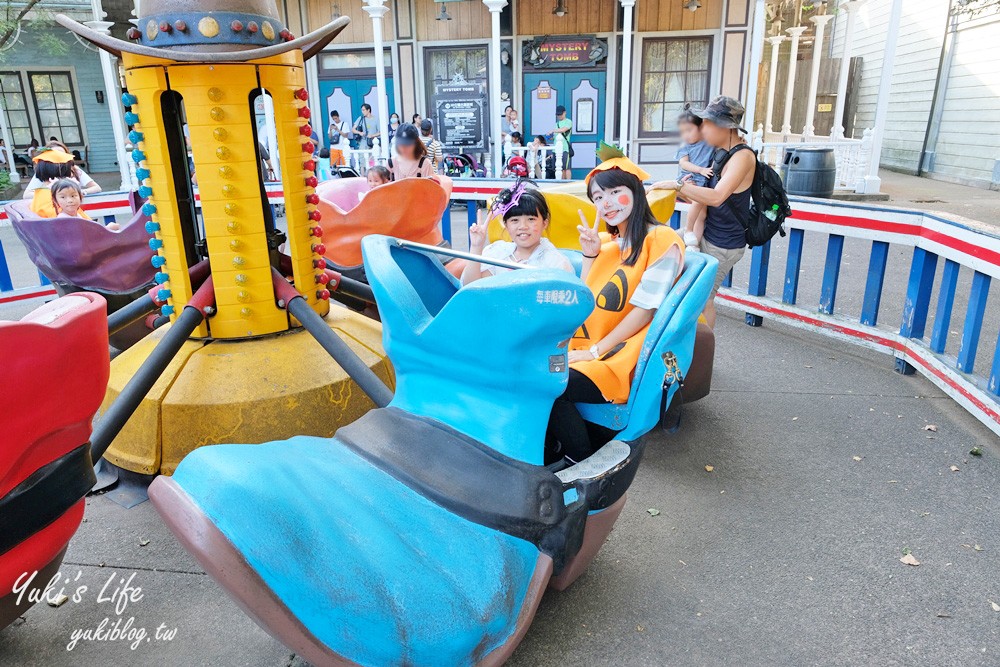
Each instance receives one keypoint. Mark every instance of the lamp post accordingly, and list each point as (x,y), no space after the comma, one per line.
(775,43)
(495,7)
(376,9)
(851,8)
(112,95)
(796,33)
(628,6)
(820,22)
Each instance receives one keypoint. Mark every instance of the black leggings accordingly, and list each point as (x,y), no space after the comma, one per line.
(568,433)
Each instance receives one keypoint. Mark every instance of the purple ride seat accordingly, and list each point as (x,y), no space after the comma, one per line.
(85,253)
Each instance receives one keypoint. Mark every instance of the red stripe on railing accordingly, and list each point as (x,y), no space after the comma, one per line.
(862,334)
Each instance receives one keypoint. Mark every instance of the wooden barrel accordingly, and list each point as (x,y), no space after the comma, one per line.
(809,172)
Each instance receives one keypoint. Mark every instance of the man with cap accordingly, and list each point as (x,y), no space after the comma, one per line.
(411,159)
(727,194)
(563,131)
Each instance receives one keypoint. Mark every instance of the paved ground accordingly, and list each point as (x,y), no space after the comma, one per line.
(787,553)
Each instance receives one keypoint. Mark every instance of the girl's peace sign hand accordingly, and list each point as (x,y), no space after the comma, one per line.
(590,241)
(477,232)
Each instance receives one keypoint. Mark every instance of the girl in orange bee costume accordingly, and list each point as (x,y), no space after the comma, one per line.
(629,270)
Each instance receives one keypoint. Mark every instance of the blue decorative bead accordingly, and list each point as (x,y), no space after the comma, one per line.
(158,261)
(128,99)
(155,244)
(149,209)
(167,310)
(142,174)
(131,118)
(152,227)
(145,191)
(162,295)
(135,136)
(161,277)
(138,155)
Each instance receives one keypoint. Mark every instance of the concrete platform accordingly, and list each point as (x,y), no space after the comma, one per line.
(786,553)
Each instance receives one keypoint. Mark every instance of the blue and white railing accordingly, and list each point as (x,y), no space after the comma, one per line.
(931,237)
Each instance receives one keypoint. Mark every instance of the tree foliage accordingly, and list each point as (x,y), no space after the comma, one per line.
(30,14)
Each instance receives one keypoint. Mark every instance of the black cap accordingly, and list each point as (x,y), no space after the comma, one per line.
(407,135)
(426,125)
(560,110)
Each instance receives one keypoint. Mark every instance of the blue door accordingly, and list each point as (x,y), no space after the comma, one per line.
(582,93)
(346,97)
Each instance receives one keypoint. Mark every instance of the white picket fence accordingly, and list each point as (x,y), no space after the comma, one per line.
(852,155)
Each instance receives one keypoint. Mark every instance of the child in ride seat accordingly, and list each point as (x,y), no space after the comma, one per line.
(377,175)
(695,160)
(67,198)
(525,216)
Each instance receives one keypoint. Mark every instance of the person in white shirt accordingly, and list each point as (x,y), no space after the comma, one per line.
(525,216)
(87,184)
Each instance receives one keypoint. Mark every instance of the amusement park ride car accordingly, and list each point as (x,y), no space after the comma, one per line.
(433,526)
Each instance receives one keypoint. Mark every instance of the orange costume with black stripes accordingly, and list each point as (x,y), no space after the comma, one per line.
(613,284)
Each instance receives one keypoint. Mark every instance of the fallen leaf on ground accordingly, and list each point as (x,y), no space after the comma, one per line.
(653,511)
(908,559)
(954,468)
(930,427)
(639,628)
(996,607)
(143,542)
(709,468)
(59,601)
(944,615)
(857,458)
(795,419)
(977,548)
(976,451)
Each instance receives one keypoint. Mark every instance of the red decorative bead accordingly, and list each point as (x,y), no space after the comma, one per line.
(315,216)
(133,33)
(286,35)
(319,248)
(323,294)
(312,181)
(322,278)
(309,165)
(305,130)
(252,26)
(317,232)
(313,198)
(308,147)
(304,112)
(181,25)
(319,263)
(302,94)
(165,27)
(237,26)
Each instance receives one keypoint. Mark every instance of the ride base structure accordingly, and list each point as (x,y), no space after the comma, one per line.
(248,372)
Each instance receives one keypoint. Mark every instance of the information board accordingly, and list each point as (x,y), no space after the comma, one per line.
(460,113)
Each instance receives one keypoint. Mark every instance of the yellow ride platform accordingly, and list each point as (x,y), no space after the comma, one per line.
(247,391)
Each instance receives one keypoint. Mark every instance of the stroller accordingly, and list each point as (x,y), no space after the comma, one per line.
(463,164)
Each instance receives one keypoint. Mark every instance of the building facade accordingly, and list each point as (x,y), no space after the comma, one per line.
(553,53)
(59,94)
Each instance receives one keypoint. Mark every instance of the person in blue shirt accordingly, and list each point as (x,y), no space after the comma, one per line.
(695,160)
